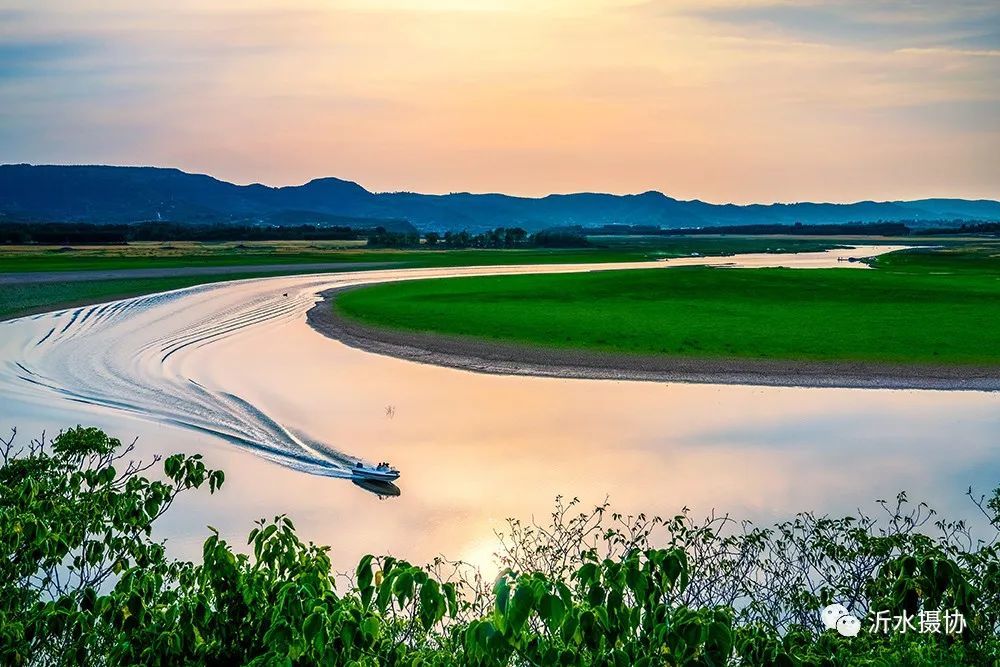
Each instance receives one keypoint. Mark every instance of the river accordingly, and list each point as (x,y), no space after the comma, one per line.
(233,371)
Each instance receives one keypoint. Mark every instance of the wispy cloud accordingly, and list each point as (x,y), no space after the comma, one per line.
(35,57)
(719,99)
(974,53)
(972,26)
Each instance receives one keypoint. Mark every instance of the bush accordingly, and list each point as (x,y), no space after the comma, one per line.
(82,582)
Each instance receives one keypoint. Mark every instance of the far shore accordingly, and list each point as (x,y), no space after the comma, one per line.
(484,356)
(27,277)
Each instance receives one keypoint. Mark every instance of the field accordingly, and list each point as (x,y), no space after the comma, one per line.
(259,258)
(190,254)
(922,307)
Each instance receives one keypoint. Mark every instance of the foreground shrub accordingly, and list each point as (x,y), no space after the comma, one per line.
(82,582)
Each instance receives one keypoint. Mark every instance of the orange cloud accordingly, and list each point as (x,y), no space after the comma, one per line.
(720,101)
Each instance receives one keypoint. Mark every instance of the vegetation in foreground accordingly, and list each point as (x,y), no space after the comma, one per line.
(82,582)
(926,307)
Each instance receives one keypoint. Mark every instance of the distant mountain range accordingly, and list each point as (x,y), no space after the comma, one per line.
(102,194)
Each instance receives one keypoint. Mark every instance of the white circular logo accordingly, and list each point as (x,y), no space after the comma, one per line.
(848,626)
(836,616)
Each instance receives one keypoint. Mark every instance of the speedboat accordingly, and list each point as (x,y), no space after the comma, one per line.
(383,472)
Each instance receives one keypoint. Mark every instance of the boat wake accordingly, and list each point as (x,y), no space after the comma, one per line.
(146,356)
(130,356)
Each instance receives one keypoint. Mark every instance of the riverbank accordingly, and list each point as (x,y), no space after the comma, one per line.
(499,358)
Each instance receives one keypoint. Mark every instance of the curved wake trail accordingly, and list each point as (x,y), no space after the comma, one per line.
(137,355)
(128,356)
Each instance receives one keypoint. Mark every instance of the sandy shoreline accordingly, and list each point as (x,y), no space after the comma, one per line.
(510,359)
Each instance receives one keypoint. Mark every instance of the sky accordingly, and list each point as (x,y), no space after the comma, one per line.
(721,100)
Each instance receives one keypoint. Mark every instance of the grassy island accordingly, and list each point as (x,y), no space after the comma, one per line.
(922,307)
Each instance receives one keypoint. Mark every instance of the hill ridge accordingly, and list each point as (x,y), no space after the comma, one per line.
(116,194)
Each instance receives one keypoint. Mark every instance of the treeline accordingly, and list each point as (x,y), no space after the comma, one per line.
(881,228)
(850,228)
(966,228)
(501,237)
(60,233)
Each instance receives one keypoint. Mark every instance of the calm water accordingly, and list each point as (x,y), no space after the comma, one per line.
(232,370)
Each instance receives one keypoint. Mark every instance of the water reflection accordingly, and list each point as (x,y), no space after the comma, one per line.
(475,449)
(478,448)
(381,489)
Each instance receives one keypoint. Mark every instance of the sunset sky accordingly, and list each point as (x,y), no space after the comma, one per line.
(720,100)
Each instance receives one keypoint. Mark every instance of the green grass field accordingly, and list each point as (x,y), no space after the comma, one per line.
(188,254)
(27,298)
(917,307)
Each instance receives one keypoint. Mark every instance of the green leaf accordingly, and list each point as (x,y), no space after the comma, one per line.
(312,626)
(370,628)
(587,573)
(501,594)
(452,597)
(402,588)
(552,610)
(519,610)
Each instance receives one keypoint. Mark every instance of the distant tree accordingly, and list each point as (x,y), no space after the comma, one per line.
(558,238)
(432,238)
(499,237)
(381,238)
(460,239)
(514,237)
(60,233)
